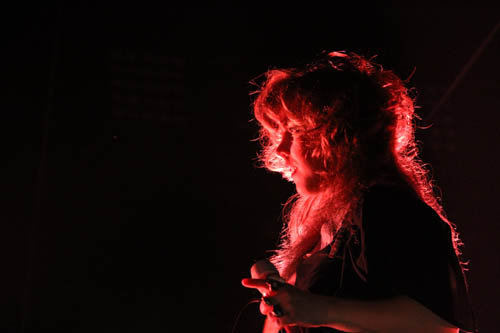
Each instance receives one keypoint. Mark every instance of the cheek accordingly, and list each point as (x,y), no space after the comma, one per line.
(317,164)
(314,159)
(311,155)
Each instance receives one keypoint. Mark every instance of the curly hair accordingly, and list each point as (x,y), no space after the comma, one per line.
(358,120)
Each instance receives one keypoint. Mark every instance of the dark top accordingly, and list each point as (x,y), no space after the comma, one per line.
(402,247)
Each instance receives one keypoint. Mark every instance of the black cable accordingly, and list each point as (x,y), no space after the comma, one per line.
(256,300)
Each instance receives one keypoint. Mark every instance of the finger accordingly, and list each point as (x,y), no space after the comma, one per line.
(257,284)
(277,311)
(268,300)
(273,284)
(279,323)
(266,307)
(254,283)
(282,317)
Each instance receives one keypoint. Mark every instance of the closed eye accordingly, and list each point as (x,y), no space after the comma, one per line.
(295,130)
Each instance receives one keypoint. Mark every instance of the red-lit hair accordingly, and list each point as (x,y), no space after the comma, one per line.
(358,120)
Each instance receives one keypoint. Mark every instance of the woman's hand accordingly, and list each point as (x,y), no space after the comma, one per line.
(289,306)
(284,305)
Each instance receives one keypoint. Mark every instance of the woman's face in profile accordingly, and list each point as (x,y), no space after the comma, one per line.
(292,150)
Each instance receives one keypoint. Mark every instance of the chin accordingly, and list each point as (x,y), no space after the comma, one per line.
(308,186)
(306,191)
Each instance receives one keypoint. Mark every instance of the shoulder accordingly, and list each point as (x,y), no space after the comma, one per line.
(386,194)
(394,209)
(386,201)
(404,234)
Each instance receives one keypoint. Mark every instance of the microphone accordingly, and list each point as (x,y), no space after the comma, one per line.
(264,269)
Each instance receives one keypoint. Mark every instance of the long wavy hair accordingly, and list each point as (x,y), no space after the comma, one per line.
(358,120)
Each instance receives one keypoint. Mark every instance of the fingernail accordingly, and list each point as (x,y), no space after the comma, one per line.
(277,312)
(273,284)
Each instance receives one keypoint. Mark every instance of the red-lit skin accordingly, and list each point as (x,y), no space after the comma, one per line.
(292,150)
(399,314)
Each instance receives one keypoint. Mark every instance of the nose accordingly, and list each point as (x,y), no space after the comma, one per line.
(284,147)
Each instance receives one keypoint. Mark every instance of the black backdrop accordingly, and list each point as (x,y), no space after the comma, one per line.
(147,219)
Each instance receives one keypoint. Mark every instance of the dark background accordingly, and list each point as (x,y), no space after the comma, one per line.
(147,218)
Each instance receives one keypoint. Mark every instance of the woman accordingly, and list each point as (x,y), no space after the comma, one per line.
(366,245)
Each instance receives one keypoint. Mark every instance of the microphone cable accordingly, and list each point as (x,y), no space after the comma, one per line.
(243,308)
